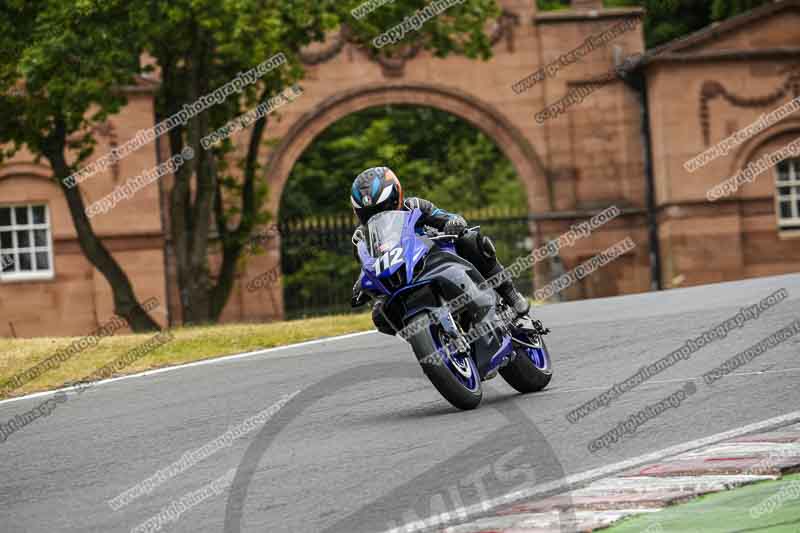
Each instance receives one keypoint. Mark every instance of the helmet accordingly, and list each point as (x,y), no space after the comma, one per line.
(374,190)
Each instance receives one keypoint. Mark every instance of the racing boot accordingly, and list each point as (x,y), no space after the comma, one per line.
(514,299)
(517,301)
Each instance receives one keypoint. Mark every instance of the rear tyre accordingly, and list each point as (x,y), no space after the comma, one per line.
(455,376)
(530,371)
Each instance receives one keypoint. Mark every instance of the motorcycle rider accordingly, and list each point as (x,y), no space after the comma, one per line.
(377,189)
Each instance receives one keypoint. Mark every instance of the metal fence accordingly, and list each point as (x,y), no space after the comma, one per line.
(319,268)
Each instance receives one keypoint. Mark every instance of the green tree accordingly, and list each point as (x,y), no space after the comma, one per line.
(723,9)
(57,78)
(71,56)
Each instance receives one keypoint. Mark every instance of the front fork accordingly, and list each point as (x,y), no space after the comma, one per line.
(463,348)
(455,336)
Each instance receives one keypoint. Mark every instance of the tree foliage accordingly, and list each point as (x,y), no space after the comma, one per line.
(723,9)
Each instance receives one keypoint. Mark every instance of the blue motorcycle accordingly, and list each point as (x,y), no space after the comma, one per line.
(460,330)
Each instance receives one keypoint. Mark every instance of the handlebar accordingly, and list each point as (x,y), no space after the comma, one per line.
(452,236)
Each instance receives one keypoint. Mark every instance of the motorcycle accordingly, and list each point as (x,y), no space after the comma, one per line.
(459,329)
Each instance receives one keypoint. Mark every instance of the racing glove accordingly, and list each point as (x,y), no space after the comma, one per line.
(456,225)
(359,297)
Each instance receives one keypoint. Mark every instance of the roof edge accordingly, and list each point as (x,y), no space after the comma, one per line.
(717,29)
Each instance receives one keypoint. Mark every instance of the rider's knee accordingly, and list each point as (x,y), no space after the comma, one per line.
(478,249)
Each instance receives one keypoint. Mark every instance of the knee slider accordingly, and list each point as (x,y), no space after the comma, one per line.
(487,247)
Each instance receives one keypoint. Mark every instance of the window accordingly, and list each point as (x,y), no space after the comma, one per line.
(788,197)
(26,246)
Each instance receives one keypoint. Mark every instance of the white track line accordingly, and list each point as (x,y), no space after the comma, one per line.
(574,480)
(214,361)
(233,357)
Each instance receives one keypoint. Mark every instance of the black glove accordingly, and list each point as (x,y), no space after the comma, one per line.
(359,297)
(456,225)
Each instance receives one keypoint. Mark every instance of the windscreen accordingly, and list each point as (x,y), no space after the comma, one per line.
(385,230)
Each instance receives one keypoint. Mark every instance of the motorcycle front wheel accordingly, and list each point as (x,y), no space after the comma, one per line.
(454,375)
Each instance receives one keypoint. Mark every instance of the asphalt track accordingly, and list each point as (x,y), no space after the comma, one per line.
(368,444)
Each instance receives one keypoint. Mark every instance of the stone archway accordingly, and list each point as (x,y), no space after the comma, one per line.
(508,138)
(550,160)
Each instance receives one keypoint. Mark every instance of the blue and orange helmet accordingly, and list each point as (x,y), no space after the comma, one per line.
(375,190)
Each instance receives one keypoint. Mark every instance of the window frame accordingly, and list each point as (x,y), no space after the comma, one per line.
(33,275)
(788,225)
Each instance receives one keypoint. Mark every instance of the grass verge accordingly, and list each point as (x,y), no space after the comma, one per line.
(727,512)
(189,344)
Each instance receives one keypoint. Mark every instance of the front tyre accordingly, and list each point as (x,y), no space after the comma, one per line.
(530,371)
(455,376)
